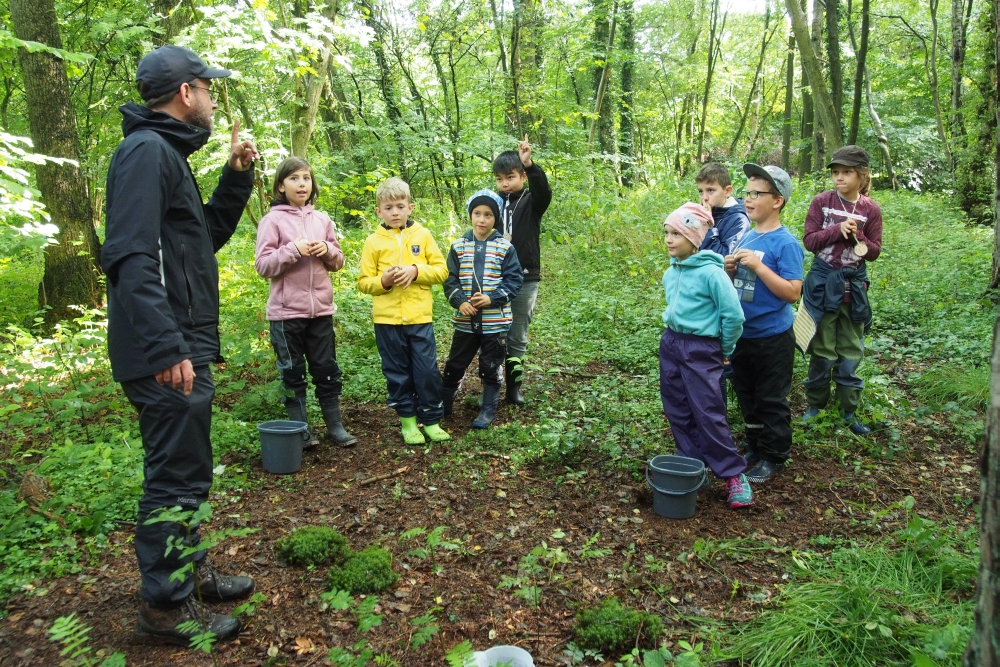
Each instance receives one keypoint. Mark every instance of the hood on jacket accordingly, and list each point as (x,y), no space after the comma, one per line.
(698,260)
(732,206)
(288,208)
(184,137)
(471,236)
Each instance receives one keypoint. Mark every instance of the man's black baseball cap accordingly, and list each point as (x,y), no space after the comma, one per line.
(849,156)
(164,69)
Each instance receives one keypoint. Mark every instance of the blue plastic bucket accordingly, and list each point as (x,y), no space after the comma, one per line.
(281,445)
(675,481)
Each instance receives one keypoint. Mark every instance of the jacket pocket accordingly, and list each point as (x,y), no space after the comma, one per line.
(189,300)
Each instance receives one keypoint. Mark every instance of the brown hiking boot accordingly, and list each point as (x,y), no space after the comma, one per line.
(217,587)
(160,626)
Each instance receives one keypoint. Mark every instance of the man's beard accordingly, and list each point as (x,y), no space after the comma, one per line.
(202,117)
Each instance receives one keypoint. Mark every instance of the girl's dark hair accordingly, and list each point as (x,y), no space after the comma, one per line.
(288,167)
(865,175)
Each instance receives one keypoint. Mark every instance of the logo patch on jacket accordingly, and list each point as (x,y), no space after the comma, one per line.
(415,249)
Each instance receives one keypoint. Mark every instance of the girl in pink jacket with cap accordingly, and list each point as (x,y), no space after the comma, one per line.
(297,248)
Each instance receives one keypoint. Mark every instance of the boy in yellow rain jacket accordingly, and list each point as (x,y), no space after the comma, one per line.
(399,264)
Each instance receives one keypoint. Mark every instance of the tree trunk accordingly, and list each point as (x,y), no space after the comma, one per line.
(626,121)
(819,133)
(71,271)
(814,72)
(176,17)
(833,56)
(860,70)
(603,42)
(806,130)
(756,77)
(961,12)
(603,122)
(935,89)
(984,645)
(385,86)
(996,196)
(714,47)
(786,128)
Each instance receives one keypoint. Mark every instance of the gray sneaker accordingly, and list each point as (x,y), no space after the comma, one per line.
(160,626)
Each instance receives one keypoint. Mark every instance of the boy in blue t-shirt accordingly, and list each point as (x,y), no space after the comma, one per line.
(766,268)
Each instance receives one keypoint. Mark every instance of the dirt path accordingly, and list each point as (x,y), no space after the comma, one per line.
(499,519)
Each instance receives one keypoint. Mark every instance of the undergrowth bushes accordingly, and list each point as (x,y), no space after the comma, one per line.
(900,603)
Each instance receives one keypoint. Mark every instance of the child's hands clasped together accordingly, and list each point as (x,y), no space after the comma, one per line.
(311,248)
(399,276)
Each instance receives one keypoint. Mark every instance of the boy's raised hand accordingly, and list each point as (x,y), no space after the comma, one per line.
(524,150)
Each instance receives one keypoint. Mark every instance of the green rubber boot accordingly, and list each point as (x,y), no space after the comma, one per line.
(436,433)
(411,434)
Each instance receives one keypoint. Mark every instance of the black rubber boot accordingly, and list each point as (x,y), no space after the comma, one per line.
(334,426)
(448,395)
(296,409)
(513,374)
(491,402)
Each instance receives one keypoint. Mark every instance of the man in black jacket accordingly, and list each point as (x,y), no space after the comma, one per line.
(163,318)
(521,223)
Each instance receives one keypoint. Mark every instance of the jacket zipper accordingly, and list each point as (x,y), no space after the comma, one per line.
(312,300)
(673,301)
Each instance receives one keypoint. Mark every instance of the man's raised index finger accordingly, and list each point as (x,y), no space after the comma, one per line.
(236,131)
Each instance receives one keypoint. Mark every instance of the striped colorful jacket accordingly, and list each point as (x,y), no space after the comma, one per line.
(490,267)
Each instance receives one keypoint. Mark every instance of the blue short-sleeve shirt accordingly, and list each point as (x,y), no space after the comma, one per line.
(766,314)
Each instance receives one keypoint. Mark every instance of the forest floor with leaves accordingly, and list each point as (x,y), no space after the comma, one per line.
(718,568)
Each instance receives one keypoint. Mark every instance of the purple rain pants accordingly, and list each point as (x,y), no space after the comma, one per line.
(690,370)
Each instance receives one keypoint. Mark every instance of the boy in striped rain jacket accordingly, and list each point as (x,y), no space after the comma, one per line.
(484,276)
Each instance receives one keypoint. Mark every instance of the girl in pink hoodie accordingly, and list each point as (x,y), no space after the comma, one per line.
(297,247)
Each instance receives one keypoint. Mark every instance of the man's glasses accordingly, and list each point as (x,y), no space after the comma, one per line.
(755,194)
(211,94)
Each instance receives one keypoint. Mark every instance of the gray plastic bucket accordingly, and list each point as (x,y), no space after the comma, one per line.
(281,445)
(675,481)
(503,655)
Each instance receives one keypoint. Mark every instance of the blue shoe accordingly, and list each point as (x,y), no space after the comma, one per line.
(810,414)
(855,425)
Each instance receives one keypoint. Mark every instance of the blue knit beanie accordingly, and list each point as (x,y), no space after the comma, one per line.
(485,198)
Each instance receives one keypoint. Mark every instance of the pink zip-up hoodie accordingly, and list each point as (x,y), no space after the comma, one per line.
(300,286)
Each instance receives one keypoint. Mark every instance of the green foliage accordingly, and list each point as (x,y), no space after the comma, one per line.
(872,605)
(72,634)
(610,627)
(460,655)
(969,387)
(367,571)
(425,627)
(313,545)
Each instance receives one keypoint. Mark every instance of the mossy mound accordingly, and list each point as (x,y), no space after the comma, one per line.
(368,571)
(611,628)
(313,545)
